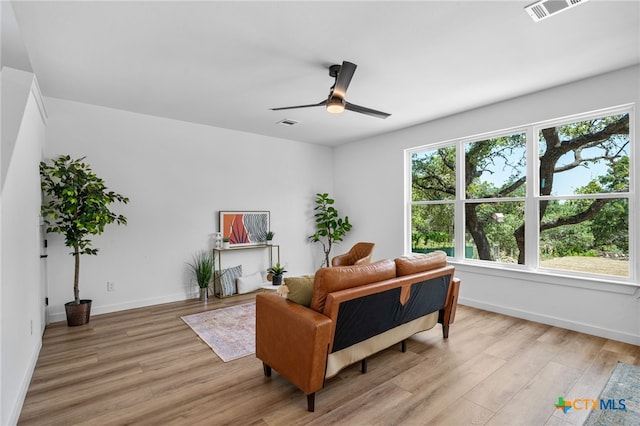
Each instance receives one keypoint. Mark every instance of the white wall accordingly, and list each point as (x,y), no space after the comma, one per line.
(22,295)
(369,180)
(178,176)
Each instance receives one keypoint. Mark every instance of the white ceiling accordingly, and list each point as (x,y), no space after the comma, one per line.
(226,63)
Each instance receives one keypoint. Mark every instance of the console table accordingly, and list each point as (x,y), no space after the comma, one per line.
(217,254)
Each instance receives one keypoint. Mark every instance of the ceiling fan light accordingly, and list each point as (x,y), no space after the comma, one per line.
(335,105)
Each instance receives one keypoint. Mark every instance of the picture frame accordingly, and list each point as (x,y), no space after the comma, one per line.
(245,228)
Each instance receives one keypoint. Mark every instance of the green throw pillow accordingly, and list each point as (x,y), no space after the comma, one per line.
(300,289)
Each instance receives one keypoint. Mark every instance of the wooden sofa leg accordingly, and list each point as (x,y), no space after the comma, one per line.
(445,331)
(311,402)
(404,346)
(266,369)
(363,366)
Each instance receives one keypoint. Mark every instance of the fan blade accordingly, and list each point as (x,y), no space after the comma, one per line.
(300,106)
(343,79)
(364,110)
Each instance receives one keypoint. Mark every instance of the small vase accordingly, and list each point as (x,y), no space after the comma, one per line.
(204,294)
(218,239)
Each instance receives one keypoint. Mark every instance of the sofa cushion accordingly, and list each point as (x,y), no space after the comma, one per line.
(328,280)
(300,289)
(414,263)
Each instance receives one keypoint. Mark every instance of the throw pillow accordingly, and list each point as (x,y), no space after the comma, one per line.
(228,280)
(249,283)
(300,289)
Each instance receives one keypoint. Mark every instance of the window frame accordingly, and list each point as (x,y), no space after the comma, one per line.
(532,196)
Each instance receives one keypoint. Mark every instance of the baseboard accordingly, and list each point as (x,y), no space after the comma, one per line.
(554,321)
(24,387)
(106,309)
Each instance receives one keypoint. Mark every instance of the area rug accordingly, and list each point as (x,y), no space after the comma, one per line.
(230,332)
(621,396)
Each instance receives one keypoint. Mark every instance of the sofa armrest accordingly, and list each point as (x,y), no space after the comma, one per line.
(293,340)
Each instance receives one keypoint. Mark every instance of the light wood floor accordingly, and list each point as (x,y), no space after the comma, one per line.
(145,366)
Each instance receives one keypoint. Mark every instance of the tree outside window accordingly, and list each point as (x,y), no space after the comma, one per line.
(581,197)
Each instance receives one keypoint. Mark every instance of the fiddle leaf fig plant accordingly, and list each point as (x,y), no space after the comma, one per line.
(330,227)
(77,205)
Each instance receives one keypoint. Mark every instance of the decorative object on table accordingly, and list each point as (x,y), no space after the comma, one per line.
(623,386)
(77,205)
(201,266)
(244,227)
(230,332)
(217,240)
(224,282)
(270,236)
(276,271)
(226,243)
(330,228)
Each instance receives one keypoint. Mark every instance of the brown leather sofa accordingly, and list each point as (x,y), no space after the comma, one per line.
(355,312)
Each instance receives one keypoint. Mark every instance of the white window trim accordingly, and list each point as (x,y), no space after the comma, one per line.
(572,278)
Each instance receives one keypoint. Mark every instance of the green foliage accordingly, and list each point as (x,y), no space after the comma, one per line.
(270,235)
(330,227)
(434,174)
(77,206)
(495,168)
(610,228)
(277,270)
(201,267)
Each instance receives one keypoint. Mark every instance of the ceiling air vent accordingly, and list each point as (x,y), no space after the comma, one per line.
(288,122)
(544,8)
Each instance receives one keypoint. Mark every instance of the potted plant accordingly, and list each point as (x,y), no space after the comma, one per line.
(270,236)
(201,267)
(77,205)
(276,271)
(226,242)
(330,227)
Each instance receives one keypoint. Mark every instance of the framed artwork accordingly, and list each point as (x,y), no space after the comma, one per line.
(244,228)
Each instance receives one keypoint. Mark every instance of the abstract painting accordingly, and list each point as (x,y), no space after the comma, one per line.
(244,227)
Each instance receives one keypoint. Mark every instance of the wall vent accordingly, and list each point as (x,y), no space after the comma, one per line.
(545,8)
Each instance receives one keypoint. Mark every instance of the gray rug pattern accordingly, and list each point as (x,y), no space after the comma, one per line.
(623,388)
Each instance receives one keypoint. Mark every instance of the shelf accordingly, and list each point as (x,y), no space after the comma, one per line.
(217,260)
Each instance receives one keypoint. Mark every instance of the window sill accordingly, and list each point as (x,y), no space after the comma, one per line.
(599,284)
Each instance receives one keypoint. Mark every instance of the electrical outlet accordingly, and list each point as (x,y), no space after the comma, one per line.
(111,286)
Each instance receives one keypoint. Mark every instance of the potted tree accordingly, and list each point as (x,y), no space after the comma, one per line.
(330,228)
(276,271)
(77,205)
(201,267)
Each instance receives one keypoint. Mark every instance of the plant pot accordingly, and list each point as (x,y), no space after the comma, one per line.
(226,245)
(269,242)
(277,280)
(204,294)
(78,314)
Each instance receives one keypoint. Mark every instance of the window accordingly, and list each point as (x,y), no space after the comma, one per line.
(553,196)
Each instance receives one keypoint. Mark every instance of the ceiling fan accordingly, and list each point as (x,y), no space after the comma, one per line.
(335,102)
